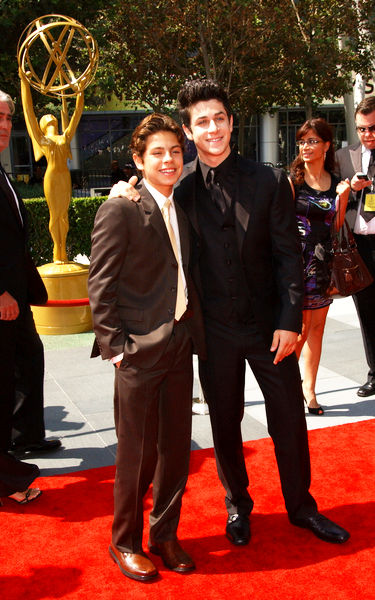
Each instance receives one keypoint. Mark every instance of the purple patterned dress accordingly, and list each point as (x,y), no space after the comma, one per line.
(315,211)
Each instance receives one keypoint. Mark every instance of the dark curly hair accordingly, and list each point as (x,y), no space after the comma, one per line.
(198,90)
(324,131)
(152,124)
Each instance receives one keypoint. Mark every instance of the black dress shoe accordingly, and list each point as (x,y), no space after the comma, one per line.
(238,530)
(323,528)
(368,389)
(41,446)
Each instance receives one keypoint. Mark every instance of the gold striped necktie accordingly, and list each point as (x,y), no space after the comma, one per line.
(181,299)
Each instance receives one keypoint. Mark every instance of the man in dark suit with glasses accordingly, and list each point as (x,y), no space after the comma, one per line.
(357,162)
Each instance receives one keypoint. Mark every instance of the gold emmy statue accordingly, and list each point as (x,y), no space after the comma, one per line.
(72,59)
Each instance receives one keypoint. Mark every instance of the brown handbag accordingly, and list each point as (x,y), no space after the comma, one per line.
(349,273)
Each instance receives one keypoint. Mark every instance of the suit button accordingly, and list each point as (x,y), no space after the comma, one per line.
(170,311)
(173,289)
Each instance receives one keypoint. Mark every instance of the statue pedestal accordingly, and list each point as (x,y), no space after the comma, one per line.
(67,281)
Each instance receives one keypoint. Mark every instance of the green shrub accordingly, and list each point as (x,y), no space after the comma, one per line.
(82,213)
(29,191)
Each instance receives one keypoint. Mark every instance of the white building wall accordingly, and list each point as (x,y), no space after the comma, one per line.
(269,138)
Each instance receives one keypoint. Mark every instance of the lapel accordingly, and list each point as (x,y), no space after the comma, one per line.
(183,228)
(7,194)
(245,194)
(355,154)
(153,215)
(185,193)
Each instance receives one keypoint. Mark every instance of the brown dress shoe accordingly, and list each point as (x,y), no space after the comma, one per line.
(135,566)
(173,556)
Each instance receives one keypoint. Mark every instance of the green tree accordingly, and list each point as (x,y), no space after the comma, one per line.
(151,48)
(265,52)
(325,45)
(147,52)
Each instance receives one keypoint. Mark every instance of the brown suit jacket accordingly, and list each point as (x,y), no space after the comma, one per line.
(133,281)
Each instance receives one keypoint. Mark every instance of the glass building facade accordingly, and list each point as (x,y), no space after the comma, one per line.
(104,136)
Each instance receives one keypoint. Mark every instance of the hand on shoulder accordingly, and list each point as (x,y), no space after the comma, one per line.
(124,189)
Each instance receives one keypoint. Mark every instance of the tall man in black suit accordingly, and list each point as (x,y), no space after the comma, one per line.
(21,350)
(247,267)
(359,159)
(139,286)
(248,270)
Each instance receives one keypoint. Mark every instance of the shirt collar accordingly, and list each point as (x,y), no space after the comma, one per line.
(159,198)
(222,170)
(365,150)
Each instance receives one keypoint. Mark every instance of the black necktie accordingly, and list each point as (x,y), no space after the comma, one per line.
(368,214)
(216,191)
(7,192)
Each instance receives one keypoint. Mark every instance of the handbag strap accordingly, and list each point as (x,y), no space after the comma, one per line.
(350,235)
(342,238)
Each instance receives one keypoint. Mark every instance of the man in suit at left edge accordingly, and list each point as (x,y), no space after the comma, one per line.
(21,350)
(146,321)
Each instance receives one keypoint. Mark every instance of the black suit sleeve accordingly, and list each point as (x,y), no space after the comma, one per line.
(287,256)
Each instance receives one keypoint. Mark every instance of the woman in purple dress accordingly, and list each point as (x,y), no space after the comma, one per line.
(316,191)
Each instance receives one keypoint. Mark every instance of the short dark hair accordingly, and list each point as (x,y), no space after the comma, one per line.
(324,131)
(366,106)
(152,124)
(198,90)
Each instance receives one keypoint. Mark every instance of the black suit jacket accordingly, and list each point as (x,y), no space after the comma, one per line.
(268,241)
(133,281)
(18,274)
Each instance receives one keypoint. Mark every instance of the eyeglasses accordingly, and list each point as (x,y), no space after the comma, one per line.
(309,142)
(370,129)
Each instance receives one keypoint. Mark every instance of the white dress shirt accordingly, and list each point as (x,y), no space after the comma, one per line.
(13,193)
(361,226)
(160,201)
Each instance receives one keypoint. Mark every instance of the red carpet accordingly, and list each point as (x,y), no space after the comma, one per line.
(57,547)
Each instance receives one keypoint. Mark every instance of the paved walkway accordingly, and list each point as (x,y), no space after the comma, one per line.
(79,391)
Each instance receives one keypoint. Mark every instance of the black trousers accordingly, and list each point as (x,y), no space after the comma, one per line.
(153,424)
(223,380)
(21,375)
(365,302)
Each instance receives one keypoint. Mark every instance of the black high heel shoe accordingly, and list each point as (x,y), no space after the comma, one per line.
(318,410)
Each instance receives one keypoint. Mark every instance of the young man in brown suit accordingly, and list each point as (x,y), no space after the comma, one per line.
(146,320)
